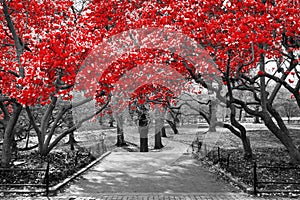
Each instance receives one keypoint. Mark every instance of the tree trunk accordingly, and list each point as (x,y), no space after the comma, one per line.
(100,120)
(163,132)
(158,126)
(248,155)
(111,122)
(144,145)
(256,118)
(212,115)
(158,144)
(285,139)
(240,114)
(242,133)
(71,141)
(143,130)
(173,126)
(281,132)
(8,136)
(70,124)
(120,131)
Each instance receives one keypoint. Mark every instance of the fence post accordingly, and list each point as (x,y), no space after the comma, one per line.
(192,146)
(219,155)
(47,178)
(254,178)
(76,158)
(199,143)
(227,164)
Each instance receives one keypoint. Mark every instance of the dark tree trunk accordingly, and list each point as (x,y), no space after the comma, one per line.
(256,118)
(242,134)
(144,145)
(173,126)
(120,132)
(8,136)
(281,132)
(158,126)
(248,155)
(111,123)
(163,132)
(120,140)
(158,144)
(143,130)
(71,141)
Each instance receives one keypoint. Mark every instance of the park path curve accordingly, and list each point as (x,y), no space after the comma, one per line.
(169,171)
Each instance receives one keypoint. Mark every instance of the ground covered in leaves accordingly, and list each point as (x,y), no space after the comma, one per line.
(232,161)
(268,151)
(62,164)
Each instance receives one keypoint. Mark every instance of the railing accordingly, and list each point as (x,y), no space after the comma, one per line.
(197,145)
(224,161)
(45,184)
(257,182)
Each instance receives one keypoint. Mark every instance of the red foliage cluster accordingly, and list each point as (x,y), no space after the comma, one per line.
(56,39)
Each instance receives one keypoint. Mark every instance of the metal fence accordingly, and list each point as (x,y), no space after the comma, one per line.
(44,183)
(258,182)
(217,156)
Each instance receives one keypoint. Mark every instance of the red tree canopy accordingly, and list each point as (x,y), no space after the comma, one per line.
(55,39)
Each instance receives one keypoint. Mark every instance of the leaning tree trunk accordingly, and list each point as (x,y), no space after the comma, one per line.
(279,130)
(158,127)
(242,134)
(248,155)
(120,131)
(282,133)
(285,139)
(173,126)
(8,136)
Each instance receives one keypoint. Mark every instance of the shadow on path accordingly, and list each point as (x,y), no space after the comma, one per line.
(152,172)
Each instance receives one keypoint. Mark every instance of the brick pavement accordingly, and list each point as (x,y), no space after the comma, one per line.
(154,196)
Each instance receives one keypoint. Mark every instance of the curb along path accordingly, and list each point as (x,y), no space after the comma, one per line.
(166,175)
(165,172)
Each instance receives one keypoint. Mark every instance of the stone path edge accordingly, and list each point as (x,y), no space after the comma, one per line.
(55,188)
(58,186)
(244,187)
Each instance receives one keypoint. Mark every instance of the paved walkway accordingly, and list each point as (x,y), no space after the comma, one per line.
(167,175)
(166,172)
